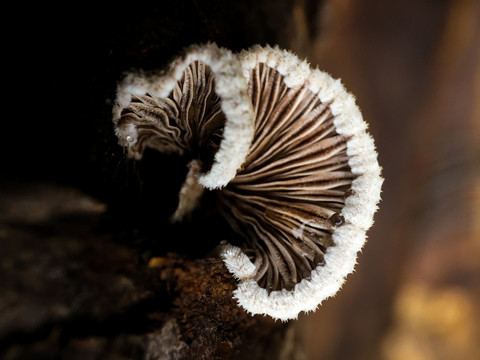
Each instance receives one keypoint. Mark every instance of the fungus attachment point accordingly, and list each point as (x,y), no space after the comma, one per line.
(288,147)
(189,195)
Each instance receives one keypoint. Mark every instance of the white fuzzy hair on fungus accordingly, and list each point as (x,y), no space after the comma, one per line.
(349,238)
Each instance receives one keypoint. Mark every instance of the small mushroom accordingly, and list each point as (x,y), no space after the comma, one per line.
(199,105)
(287,147)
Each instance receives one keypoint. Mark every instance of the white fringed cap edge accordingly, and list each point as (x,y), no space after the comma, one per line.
(358,211)
(230,85)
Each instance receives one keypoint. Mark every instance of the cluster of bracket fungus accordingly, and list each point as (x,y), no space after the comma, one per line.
(287,151)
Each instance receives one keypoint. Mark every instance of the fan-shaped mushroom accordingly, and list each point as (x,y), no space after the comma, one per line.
(308,189)
(299,173)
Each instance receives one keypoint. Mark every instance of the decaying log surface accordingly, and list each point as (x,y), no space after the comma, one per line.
(70,291)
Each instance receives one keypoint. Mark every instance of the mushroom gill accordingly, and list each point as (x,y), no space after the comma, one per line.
(189,120)
(288,196)
(193,108)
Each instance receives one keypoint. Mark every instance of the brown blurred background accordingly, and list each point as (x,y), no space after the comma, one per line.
(414,67)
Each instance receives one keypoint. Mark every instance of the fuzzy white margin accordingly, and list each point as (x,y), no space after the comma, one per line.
(358,211)
(230,85)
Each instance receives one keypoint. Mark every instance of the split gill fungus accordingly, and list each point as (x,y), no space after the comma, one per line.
(287,151)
